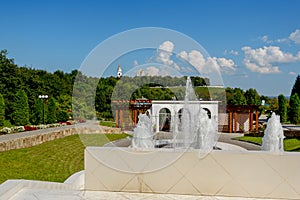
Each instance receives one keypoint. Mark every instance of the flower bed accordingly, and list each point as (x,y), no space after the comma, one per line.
(17,129)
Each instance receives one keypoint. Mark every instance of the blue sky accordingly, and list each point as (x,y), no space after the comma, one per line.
(261,39)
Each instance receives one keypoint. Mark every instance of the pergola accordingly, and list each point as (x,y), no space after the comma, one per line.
(127,111)
(241,118)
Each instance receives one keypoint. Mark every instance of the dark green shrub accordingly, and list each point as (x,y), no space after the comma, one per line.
(51,117)
(62,116)
(2,111)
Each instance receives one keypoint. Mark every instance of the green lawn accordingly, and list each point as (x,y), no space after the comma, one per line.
(255,140)
(290,144)
(108,123)
(51,161)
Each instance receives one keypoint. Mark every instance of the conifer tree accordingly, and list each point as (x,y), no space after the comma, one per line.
(282,108)
(20,107)
(2,111)
(51,117)
(294,113)
(38,112)
(296,87)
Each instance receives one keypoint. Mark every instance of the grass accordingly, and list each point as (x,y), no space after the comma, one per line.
(51,161)
(108,123)
(255,140)
(290,144)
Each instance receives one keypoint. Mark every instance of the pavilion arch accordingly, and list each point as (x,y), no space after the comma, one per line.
(179,115)
(175,106)
(165,119)
(208,112)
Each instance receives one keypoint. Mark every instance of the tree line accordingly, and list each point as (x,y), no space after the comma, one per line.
(287,108)
(21,86)
(19,91)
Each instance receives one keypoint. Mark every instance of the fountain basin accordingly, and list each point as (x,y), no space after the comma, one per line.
(254,174)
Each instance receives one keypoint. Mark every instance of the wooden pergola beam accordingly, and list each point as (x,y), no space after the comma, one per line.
(234,110)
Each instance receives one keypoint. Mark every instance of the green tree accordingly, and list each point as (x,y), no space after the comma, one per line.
(282,108)
(296,87)
(2,111)
(252,97)
(38,112)
(51,117)
(10,81)
(62,116)
(64,102)
(294,113)
(235,97)
(20,107)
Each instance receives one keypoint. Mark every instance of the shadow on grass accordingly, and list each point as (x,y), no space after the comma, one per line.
(295,150)
(243,139)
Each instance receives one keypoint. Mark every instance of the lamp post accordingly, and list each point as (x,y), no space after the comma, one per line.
(43,97)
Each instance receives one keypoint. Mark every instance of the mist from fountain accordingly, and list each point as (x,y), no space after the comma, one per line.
(206,132)
(194,129)
(143,132)
(273,135)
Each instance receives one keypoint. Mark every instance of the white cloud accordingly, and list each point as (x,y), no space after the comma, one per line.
(167,46)
(231,52)
(226,65)
(292,73)
(207,65)
(152,71)
(135,63)
(264,38)
(295,36)
(195,58)
(267,40)
(165,51)
(282,40)
(265,60)
(223,62)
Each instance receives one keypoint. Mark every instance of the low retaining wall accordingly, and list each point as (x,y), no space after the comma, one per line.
(290,133)
(32,138)
(219,173)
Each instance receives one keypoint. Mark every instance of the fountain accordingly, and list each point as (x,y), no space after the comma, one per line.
(142,134)
(196,130)
(193,130)
(206,133)
(273,135)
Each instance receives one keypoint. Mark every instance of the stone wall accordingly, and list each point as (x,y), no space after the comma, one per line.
(32,138)
(253,174)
